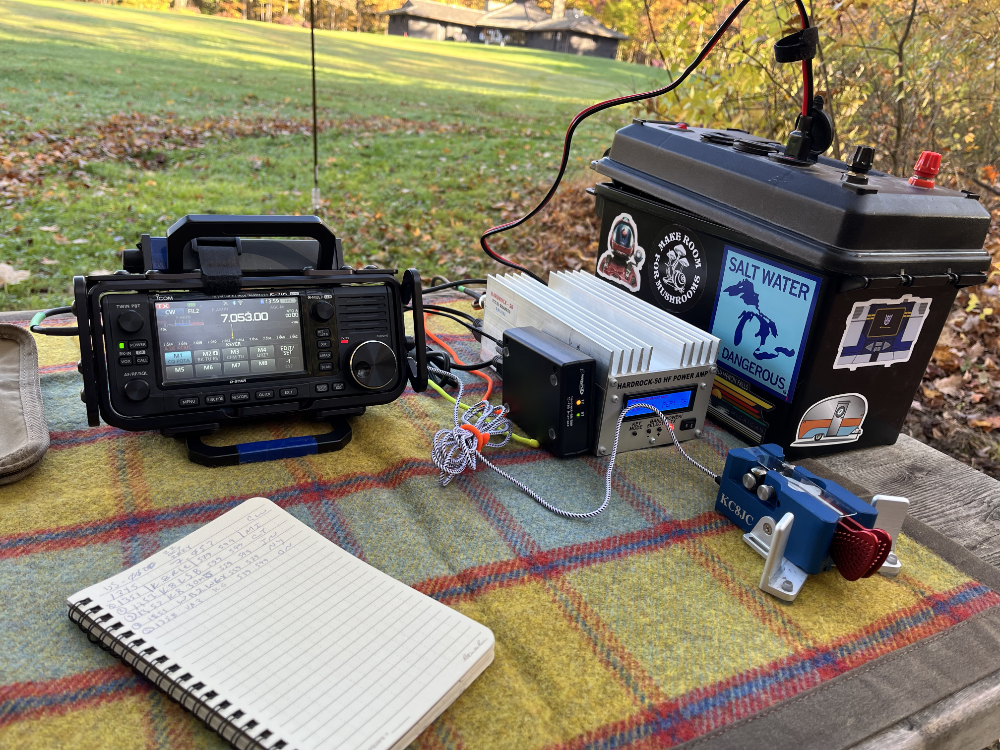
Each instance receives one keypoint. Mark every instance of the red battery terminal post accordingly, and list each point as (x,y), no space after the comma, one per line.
(926,169)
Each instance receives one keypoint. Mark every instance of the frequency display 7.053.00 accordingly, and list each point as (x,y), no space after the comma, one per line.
(229,338)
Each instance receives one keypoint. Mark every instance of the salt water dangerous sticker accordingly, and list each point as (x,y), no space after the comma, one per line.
(762,314)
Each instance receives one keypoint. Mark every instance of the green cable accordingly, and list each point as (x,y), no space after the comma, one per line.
(526,441)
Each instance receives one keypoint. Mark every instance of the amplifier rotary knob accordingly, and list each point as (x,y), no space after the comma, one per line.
(373,365)
(130,321)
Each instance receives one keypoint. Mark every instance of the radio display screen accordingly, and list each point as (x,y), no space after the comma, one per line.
(212,339)
(671,401)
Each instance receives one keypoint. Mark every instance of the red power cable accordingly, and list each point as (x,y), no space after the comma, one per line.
(807,95)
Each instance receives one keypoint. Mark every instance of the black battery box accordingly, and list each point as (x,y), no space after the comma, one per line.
(827,285)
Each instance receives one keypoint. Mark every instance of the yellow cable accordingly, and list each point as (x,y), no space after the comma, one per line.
(526,441)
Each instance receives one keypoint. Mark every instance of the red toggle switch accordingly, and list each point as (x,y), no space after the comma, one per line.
(926,169)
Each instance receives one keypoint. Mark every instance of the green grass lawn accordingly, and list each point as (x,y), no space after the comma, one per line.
(471,126)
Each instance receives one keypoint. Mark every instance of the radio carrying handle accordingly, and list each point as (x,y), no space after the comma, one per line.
(411,294)
(194,227)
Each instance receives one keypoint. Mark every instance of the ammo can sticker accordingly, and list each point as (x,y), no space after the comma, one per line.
(881,332)
(833,420)
(623,259)
(677,270)
(762,314)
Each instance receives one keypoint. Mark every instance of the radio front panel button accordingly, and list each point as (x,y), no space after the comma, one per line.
(215,398)
(262,352)
(204,356)
(324,344)
(142,359)
(322,333)
(136,390)
(326,366)
(130,321)
(236,368)
(288,392)
(269,393)
(188,401)
(239,397)
(235,353)
(213,370)
(262,365)
(178,372)
(125,361)
(176,358)
(338,386)
(324,355)
(138,344)
(322,387)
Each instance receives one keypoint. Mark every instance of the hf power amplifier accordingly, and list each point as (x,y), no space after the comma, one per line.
(642,354)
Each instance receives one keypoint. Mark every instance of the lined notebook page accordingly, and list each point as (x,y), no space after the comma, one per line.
(316,646)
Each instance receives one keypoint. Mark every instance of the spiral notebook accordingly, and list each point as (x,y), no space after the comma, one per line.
(279,639)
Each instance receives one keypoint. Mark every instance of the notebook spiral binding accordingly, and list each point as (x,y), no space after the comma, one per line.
(100,629)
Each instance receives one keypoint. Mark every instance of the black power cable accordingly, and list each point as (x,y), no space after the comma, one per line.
(807,96)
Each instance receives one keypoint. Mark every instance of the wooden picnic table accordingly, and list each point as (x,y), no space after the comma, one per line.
(964,505)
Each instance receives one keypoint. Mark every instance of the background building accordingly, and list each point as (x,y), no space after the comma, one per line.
(520,24)
(425,19)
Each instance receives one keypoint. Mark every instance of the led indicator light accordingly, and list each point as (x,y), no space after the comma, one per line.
(121,344)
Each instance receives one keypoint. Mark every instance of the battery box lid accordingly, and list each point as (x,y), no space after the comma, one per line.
(806,214)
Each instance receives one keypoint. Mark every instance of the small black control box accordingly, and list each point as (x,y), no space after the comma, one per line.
(548,387)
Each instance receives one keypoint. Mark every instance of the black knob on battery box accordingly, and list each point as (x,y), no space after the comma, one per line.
(322,311)
(861,161)
(373,365)
(862,158)
(137,390)
(130,321)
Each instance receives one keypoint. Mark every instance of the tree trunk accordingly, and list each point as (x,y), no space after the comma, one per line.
(901,89)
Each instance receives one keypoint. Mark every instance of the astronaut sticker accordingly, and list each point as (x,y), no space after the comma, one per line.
(881,332)
(832,421)
(623,259)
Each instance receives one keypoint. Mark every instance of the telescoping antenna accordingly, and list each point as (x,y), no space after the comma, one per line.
(312,46)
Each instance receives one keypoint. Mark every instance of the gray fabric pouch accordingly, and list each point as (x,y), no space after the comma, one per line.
(24,435)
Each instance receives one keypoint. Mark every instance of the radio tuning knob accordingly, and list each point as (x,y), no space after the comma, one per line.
(130,321)
(322,311)
(137,390)
(373,365)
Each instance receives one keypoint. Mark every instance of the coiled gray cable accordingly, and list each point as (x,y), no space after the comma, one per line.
(456,450)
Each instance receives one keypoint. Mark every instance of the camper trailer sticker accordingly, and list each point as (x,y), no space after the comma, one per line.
(762,314)
(832,421)
(677,270)
(881,332)
(624,258)
(733,403)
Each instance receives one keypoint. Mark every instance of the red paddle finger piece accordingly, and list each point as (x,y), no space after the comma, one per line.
(855,550)
(884,548)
